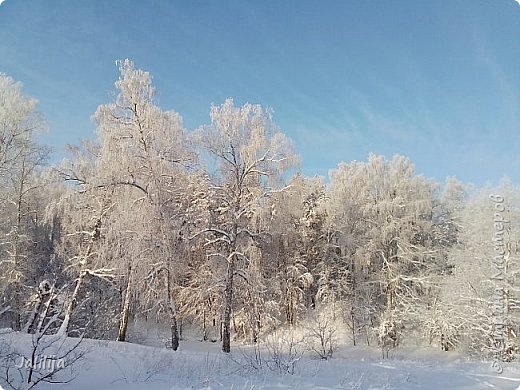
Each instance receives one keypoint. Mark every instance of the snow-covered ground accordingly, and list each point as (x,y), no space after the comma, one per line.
(198,365)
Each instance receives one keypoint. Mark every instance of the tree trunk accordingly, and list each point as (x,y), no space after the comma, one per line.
(289,308)
(17,325)
(390,297)
(354,298)
(204,331)
(36,323)
(17,317)
(173,313)
(41,327)
(64,328)
(227,303)
(174,329)
(29,325)
(123,323)
(353,319)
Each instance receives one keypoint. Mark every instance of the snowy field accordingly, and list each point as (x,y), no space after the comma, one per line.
(198,365)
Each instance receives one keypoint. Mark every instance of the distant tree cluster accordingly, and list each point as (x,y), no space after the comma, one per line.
(217,229)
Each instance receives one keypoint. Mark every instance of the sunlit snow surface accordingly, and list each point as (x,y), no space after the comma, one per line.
(197,365)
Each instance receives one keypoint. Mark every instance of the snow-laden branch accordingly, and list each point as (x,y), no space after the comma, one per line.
(217,240)
(212,230)
(5,310)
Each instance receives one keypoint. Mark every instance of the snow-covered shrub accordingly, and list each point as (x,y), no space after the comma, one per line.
(321,336)
(285,349)
(38,358)
(443,327)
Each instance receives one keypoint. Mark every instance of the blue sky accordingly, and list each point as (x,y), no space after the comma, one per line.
(437,81)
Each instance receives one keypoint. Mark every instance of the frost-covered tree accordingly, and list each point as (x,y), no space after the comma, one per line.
(388,236)
(144,161)
(479,301)
(346,226)
(21,207)
(441,323)
(283,258)
(83,212)
(252,159)
(297,246)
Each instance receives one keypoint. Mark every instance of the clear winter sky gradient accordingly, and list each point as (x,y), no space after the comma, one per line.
(437,81)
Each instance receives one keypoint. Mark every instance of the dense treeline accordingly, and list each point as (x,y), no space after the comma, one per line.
(217,229)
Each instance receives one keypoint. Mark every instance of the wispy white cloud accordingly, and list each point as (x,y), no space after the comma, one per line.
(1,1)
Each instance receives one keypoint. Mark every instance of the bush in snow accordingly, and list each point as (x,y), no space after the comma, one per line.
(322,336)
